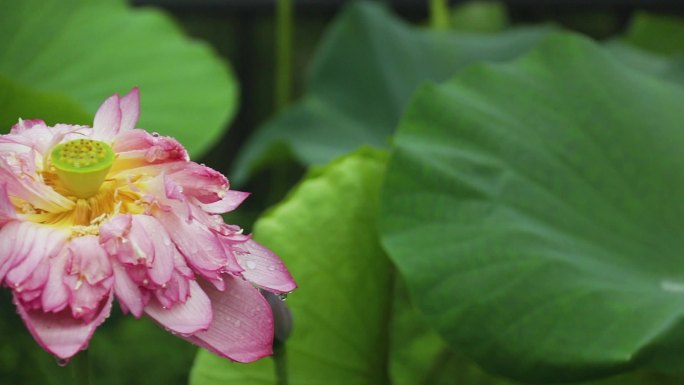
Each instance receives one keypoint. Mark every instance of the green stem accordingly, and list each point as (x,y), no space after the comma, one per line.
(79,369)
(439,14)
(284,22)
(280,360)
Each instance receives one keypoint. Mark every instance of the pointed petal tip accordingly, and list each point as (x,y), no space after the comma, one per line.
(107,122)
(193,316)
(243,326)
(130,109)
(59,333)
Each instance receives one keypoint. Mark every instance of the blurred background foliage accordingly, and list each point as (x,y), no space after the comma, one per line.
(206,72)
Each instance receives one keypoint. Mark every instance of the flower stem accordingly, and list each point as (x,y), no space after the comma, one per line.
(79,369)
(280,360)
(439,14)
(284,21)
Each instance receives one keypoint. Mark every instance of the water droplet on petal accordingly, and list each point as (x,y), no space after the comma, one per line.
(251,265)
(155,134)
(283,296)
(62,362)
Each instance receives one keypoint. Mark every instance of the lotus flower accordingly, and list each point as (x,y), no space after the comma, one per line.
(92,214)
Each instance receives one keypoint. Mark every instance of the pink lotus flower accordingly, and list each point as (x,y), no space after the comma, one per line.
(92,214)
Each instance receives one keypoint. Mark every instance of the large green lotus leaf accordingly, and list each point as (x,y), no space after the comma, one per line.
(420,356)
(534,210)
(365,71)
(667,67)
(61,59)
(325,232)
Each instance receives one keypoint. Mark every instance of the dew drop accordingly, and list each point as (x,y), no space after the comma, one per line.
(283,296)
(62,362)
(251,265)
(155,134)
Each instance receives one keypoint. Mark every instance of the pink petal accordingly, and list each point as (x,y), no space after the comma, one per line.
(38,277)
(161,249)
(60,333)
(185,318)
(24,124)
(263,267)
(55,294)
(107,119)
(138,148)
(242,329)
(34,243)
(130,109)
(114,231)
(201,247)
(8,240)
(140,241)
(199,181)
(89,259)
(176,290)
(7,211)
(17,171)
(89,275)
(127,291)
(230,201)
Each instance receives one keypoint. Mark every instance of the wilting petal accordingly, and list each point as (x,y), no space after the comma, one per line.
(60,333)
(34,244)
(113,232)
(230,201)
(89,260)
(175,290)
(7,212)
(201,247)
(242,329)
(107,121)
(56,295)
(185,318)
(89,276)
(139,148)
(30,187)
(158,250)
(263,267)
(127,291)
(25,124)
(201,182)
(130,109)
(8,236)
